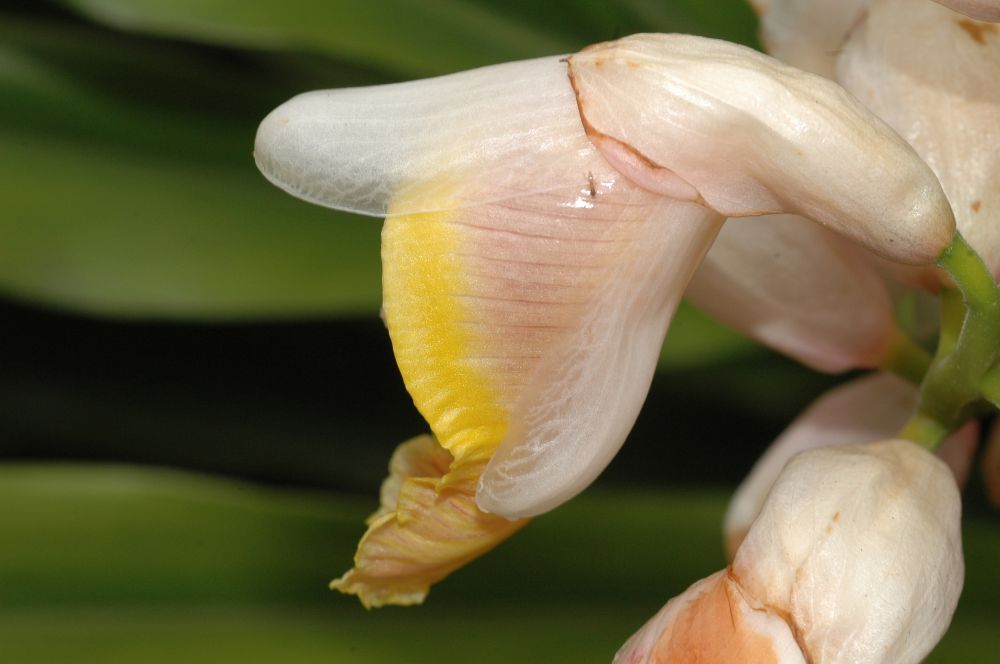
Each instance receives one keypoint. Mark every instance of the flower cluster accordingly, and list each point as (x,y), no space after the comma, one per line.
(544,218)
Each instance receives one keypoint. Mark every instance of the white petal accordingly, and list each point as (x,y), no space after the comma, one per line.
(356,149)
(584,397)
(860,545)
(747,135)
(984,10)
(799,289)
(809,33)
(932,75)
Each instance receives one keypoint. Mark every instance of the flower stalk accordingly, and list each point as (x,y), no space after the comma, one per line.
(962,373)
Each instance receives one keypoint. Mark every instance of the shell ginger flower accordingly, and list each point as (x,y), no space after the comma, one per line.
(542,221)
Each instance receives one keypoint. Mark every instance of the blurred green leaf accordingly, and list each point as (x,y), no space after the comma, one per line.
(129,188)
(421,38)
(123,564)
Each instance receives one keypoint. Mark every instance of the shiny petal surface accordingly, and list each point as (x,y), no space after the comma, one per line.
(712,622)
(798,288)
(808,33)
(860,546)
(947,106)
(874,407)
(983,10)
(746,135)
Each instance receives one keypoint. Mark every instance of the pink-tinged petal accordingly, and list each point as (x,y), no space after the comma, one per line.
(983,10)
(527,288)
(874,407)
(585,389)
(932,75)
(860,546)
(712,622)
(808,33)
(798,288)
(746,135)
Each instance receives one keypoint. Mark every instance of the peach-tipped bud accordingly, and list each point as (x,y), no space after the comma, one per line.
(856,557)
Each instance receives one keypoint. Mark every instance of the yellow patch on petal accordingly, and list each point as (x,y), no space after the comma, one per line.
(428,524)
(423,282)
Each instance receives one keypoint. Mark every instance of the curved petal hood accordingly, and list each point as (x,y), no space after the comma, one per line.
(746,135)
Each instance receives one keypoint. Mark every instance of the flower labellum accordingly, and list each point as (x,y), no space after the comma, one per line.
(856,557)
(542,221)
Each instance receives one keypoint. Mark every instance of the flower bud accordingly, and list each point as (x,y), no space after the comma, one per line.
(873,407)
(856,557)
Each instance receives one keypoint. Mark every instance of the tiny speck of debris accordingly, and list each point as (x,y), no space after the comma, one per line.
(590,182)
(976,205)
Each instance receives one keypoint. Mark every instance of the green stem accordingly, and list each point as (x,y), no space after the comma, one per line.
(989,386)
(906,359)
(969,348)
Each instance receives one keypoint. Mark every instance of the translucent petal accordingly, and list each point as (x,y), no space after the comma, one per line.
(808,33)
(860,546)
(983,10)
(446,140)
(799,289)
(932,75)
(874,407)
(747,135)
